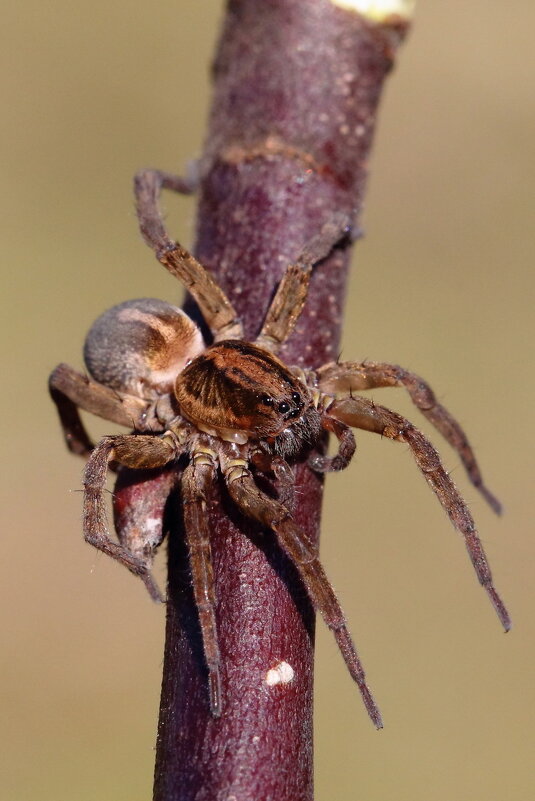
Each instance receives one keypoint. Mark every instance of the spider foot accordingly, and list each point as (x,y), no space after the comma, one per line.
(152,587)
(214,687)
(500,607)
(491,499)
(354,665)
(139,567)
(371,706)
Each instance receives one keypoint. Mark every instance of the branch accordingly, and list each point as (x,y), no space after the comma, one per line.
(296,88)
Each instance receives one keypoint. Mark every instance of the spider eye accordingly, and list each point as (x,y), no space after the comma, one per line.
(296,397)
(267,400)
(283,407)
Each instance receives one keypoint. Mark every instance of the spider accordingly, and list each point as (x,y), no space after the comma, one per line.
(233,407)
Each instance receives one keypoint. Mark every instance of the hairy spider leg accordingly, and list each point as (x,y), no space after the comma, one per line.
(291,293)
(348,376)
(346,448)
(197,479)
(70,390)
(130,450)
(216,308)
(362,413)
(254,503)
(75,435)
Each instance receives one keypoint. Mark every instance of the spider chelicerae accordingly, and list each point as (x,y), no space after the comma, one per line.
(234,407)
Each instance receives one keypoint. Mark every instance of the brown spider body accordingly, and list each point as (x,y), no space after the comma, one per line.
(237,391)
(234,409)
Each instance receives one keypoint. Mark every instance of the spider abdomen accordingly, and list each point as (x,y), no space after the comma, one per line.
(239,391)
(139,346)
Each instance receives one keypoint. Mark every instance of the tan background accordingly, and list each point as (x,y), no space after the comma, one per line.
(443,285)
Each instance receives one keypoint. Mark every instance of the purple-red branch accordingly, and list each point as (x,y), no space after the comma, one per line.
(296,88)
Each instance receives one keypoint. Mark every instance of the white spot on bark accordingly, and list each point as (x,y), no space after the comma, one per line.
(282,673)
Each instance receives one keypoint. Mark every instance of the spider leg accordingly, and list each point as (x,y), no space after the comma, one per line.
(292,291)
(348,376)
(70,390)
(362,413)
(198,476)
(217,310)
(131,451)
(303,554)
(346,449)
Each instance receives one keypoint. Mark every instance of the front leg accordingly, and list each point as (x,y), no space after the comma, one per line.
(141,452)
(355,376)
(292,291)
(216,308)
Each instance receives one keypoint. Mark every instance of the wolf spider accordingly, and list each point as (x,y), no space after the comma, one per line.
(234,407)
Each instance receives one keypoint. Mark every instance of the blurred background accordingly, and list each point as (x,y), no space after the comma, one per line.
(442,284)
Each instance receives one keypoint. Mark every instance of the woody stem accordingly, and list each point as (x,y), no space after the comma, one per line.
(296,89)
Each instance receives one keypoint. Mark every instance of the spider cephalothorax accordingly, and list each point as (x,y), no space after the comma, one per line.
(234,408)
(236,390)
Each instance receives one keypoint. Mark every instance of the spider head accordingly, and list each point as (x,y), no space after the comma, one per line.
(239,391)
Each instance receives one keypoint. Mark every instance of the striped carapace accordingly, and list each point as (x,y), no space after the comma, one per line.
(238,387)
